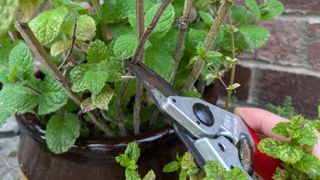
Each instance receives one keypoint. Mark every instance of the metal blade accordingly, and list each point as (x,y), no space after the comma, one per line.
(157,87)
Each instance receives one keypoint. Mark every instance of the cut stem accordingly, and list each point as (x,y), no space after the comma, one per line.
(42,56)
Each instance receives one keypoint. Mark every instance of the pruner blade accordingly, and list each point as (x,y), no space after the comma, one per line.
(157,87)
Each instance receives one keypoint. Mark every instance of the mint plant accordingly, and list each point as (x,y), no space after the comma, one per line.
(295,152)
(64,65)
(129,160)
(285,110)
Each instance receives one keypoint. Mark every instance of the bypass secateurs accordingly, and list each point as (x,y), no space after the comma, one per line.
(209,132)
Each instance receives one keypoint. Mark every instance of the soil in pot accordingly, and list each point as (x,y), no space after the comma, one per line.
(92,159)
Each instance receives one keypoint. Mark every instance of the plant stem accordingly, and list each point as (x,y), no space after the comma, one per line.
(136,56)
(101,23)
(233,65)
(149,30)
(137,100)
(183,26)
(65,61)
(210,38)
(42,56)
(120,119)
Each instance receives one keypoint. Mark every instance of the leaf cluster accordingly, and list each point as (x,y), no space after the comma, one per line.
(129,160)
(296,151)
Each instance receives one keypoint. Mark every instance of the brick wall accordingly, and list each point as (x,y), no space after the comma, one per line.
(289,64)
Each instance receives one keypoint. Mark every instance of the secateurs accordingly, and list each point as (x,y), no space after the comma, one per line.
(209,132)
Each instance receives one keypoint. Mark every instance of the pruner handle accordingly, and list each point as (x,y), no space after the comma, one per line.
(264,165)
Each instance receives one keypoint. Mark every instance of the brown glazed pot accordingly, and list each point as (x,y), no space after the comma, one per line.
(92,159)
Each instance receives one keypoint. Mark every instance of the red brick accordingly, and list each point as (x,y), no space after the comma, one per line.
(243,78)
(287,43)
(314,53)
(314,30)
(304,6)
(274,86)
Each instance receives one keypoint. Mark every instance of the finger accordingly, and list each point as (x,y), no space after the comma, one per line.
(261,121)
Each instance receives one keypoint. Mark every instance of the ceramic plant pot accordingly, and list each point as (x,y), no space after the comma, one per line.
(92,159)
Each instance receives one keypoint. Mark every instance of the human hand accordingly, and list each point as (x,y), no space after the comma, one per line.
(262,121)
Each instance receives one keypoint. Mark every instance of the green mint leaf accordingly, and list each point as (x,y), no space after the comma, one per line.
(4,116)
(123,160)
(103,99)
(94,76)
(206,17)
(53,96)
(72,6)
(280,174)
(192,93)
(47,25)
(194,37)
(308,164)
(241,15)
(4,76)
(255,36)
(129,160)
(150,175)
(131,13)
(214,171)
(131,174)
(133,151)
(168,42)
(289,153)
(86,28)
(112,11)
(160,61)
(59,47)
(253,6)
(171,167)
(297,122)
(18,99)
(117,11)
(164,23)
(282,129)
(62,132)
(8,9)
(269,146)
(271,9)
(125,46)
(236,173)
(305,136)
(97,51)
(187,161)
(183,174)
(20,60)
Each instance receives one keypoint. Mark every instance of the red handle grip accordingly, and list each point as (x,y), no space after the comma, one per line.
(264,165)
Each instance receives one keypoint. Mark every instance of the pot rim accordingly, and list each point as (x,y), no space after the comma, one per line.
(96,148)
